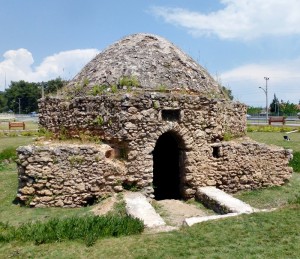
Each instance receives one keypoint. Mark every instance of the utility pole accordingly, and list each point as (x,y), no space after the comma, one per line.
(266,93)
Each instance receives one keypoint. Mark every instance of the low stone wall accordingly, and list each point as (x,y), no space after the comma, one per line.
(248,165)
(77,175)
(68,175)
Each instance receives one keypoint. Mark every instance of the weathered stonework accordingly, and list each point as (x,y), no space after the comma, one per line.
(76,175)
(186,124)
(68,175)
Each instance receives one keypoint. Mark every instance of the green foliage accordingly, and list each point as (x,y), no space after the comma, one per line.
(114,89)
(156,105)
(44,132)
(98,90)
(52,86)
(253,110)
(76,160)
(63,133)
(161,88)
(85,82)
(295,162)
(98,121)
(129,81)
(123,153)
(3,102)
(22,95)
(287,108)
(268,128)
(130,186)
(227,92)
(228,136)
(88,229)
(8,153)
(274,106)
(295,200)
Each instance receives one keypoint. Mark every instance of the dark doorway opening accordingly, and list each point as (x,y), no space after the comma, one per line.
(167,167)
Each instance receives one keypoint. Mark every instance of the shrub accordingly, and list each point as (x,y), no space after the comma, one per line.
(98,90)
(88,229)
(129,81)
(8,154)
(295,162)
(253,128)
(161,88)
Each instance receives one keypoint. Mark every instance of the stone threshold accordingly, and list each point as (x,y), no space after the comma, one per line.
(139,207)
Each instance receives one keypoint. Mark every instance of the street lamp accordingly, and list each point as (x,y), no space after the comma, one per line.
(266,93)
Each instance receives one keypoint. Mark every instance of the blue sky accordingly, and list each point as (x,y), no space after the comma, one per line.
(239,42)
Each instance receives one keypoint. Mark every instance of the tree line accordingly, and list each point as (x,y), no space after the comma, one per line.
(22,97)
(276,107)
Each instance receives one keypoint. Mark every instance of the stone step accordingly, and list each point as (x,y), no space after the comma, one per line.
(194,220)
(138,206)
(222,202)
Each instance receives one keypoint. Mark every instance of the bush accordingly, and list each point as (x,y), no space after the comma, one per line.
(253,128)
(88,229)
(295,162)
(8,154)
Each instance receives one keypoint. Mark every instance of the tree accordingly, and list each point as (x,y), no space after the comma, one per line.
(3,102)
(22,97)
(288,108)
(52,86)
(274,106)
(253,110)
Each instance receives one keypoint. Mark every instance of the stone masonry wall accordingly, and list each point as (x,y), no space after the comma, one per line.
(245,165)
(68,175)
(133,122)
(76,175)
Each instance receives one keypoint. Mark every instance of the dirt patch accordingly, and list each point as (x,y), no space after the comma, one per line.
(175,211)
(104,206)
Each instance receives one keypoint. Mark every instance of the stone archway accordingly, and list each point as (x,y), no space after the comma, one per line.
(168,167)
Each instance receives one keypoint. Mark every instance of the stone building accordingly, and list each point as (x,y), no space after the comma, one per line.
(165,125)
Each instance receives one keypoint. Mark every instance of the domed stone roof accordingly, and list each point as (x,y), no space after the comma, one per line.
(152,61)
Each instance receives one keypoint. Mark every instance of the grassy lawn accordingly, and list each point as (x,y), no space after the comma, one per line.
(276,138)
(14,142)
(259,235)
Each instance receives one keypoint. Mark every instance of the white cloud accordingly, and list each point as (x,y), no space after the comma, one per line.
(284,81)
(18,65)
(239,19)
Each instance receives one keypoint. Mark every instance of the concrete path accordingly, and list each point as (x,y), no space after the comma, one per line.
(222,202)
(138,207)
(193,220)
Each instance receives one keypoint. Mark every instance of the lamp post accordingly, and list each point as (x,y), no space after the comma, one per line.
(266,93)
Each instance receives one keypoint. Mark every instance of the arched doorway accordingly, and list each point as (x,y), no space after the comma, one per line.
(167,167)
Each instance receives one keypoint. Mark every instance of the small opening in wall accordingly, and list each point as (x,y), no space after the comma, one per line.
(216,152)
(109,153)
(90,200)
(170,115)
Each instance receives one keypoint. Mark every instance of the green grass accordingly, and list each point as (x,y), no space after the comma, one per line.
(260,235)
(272,197)
(15,214)
(14,142)
(276,138)
(295,163)
(88,229)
